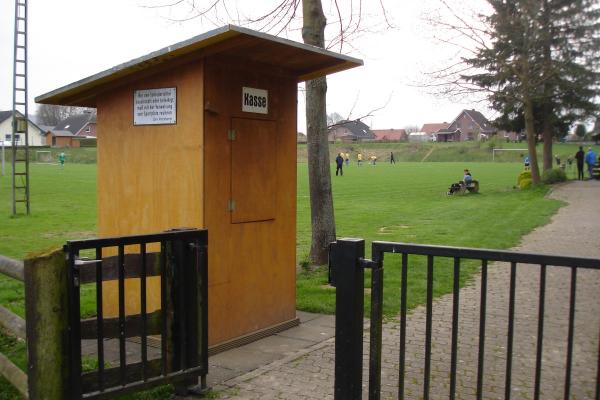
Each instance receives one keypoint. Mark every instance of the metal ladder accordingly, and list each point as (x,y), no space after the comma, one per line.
(20,136)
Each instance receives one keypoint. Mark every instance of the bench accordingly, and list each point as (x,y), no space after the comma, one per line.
(472,187)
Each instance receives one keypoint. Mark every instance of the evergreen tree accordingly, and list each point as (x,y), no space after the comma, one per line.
(541,67)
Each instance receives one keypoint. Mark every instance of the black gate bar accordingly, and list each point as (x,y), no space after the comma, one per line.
(347,265)
(184,299)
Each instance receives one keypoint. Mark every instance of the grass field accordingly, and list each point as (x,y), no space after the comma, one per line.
(407,202)
(402,202)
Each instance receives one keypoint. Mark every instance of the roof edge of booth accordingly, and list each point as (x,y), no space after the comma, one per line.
(77,92)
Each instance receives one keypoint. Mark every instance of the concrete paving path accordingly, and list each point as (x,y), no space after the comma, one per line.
(299,363)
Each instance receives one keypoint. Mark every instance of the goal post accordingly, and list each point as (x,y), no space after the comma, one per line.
(501,150)
(43,156)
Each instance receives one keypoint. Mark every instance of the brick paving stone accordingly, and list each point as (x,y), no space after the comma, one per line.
(309,374)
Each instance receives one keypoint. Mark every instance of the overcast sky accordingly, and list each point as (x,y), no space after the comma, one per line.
(73,39)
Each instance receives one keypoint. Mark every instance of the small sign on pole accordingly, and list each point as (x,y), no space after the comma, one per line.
(155,106)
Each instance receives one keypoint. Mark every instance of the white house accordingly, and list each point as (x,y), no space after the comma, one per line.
(37,136)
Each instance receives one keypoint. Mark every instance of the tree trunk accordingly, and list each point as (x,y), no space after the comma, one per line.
(547,108)
(548,135)
(319,175)
(527,92)
(531,139)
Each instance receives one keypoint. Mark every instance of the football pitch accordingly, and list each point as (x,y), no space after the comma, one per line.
(404,202)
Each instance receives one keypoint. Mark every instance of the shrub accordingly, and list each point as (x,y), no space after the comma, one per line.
(523,175)
(553,176)
(525,183)
(495,143)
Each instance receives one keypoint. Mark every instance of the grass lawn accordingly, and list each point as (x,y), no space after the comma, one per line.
(403,202)
(407,202)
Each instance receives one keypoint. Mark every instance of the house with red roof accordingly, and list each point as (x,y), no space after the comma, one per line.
(390,135)
(434,127)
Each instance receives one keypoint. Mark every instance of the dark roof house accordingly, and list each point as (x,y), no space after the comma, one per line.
(4,115)
(350,131)
(468,125)
(36,134)
(79,125)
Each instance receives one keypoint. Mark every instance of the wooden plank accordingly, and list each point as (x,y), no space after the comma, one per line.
(12,323)
(133,265)
(133,326)
(14,375)
(149,177)
(12,268)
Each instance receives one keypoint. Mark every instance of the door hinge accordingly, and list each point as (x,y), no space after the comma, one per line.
(231,134)
(231,205)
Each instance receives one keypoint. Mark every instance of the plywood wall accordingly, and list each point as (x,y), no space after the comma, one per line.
(150,177)
(153,178)
(251,264)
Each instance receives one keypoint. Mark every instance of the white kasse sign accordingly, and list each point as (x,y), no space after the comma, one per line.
(155,106)
(255,100)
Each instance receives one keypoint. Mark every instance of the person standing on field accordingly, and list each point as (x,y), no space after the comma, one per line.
(392,160)
(590,160)
(339,162)
(347,159)
(579,156)
(61,159)
(359,157)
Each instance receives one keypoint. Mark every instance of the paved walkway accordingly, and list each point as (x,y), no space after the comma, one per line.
(308,372)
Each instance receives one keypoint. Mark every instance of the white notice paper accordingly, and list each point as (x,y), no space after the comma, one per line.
(155,106)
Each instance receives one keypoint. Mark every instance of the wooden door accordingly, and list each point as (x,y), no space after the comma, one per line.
(253,170)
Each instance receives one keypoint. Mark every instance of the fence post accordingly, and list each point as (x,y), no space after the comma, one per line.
(47,320)
(349,298)
(182,310)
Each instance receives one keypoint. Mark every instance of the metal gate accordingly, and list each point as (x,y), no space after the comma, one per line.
(151,347)
(348,266)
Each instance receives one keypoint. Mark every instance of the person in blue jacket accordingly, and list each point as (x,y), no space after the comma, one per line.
(590,160)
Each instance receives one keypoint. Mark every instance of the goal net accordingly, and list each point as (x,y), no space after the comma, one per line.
(43,156)
(509,154)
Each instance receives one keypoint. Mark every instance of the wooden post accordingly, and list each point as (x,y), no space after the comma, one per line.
(47,315)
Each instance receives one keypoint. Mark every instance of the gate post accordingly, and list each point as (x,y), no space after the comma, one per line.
(47,319)
(349,302)
(186,311)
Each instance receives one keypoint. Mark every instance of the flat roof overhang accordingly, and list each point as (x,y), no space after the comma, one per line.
(300,60)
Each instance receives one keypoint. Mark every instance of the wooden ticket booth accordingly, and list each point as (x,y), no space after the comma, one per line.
(203,134)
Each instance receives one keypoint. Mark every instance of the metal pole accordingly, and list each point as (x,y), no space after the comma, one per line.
(2,157)
(345,254)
